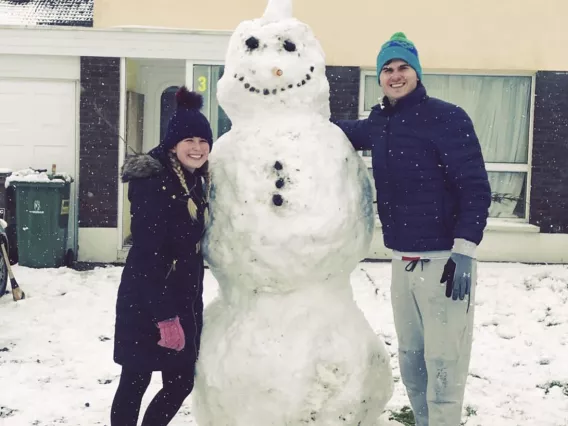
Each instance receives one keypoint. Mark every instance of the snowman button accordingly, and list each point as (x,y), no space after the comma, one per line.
(277,199)
(279,183)
(278,165)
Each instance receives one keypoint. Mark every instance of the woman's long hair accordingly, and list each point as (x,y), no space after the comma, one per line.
(203,171)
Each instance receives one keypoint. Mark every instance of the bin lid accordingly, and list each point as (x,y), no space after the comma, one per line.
(56,183)
(33,177)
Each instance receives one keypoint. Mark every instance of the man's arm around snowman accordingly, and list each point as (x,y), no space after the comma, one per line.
(460,154)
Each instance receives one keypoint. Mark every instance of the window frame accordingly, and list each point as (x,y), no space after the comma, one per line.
(490,167)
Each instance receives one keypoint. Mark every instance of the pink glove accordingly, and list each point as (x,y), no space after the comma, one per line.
(172,335)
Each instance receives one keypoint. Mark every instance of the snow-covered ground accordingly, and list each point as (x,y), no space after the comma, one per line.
(56,345)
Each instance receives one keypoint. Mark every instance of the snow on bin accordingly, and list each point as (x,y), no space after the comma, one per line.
(41,216)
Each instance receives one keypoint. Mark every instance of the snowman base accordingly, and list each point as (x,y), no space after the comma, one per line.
(307,357)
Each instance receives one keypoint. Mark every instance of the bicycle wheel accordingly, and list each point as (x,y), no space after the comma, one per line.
(3,276)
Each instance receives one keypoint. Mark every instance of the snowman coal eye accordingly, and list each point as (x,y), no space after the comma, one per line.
(252,43)
(289,46)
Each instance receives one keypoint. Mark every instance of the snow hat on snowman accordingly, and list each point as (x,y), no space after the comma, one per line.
(187,121)
(399,47)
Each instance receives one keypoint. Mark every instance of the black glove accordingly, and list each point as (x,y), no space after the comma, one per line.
(457,276)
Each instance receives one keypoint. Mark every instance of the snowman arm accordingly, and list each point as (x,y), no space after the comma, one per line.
(149,207)
(358,132)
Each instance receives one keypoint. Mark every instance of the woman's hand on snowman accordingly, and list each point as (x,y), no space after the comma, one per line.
(172,335)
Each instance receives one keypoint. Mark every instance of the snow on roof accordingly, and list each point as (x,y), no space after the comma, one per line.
(47,12)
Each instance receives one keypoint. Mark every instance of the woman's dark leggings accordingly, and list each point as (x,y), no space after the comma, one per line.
(177,385)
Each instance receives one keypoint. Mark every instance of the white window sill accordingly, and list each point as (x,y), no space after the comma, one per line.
(500,225)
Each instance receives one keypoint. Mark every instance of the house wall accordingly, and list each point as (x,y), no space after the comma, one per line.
(488,35)
(549,189)
(548,196)
(98,163)
(519,37)
(99,124)
(343,91)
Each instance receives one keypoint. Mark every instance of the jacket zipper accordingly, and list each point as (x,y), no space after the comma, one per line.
(388,164)
(172,268)
(197,334)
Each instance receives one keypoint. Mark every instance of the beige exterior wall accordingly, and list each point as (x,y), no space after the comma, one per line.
(504,35)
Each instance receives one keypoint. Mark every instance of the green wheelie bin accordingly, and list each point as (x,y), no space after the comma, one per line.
(42,217)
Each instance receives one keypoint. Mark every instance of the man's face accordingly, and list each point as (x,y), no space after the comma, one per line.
(398,79)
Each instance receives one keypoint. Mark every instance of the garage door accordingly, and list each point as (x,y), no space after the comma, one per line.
(37,124)
(38,120)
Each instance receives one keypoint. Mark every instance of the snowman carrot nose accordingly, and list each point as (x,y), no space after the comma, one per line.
(277,71)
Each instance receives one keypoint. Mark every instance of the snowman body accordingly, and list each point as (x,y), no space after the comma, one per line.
(296,209)
(292,214)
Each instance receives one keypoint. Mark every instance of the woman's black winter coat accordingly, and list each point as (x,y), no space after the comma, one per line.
(163,276)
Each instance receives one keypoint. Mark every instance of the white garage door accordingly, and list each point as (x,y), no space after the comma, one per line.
(38,122)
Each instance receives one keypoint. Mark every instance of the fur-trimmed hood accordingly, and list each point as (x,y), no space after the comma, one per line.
(140,166)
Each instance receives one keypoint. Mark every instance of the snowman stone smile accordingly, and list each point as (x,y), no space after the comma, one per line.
(284,343)
(282,88)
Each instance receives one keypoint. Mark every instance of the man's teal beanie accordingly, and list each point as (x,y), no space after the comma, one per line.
(399,47)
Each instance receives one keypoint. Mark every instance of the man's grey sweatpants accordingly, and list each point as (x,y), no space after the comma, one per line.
(434,338)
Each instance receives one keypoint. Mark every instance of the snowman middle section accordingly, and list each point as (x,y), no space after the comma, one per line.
(290,202)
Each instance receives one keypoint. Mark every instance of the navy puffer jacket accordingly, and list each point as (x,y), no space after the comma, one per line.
(431,182)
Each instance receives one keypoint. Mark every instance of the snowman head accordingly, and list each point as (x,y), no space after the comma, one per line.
(274,64)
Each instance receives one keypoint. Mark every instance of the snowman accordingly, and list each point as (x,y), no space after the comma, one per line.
(284,343)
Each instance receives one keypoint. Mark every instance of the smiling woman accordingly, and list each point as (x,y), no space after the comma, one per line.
(192,153)
(159,305)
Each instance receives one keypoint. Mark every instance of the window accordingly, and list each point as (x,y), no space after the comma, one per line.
(500,108)
(205,79)
(167,108)
(151,86)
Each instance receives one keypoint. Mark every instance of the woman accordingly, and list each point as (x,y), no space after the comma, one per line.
(159,307)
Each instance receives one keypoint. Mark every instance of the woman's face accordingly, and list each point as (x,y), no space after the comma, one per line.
(192,153)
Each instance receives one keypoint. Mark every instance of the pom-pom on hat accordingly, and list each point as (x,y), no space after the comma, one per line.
(187,121)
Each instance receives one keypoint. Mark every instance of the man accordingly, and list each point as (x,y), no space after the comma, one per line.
(433,197)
